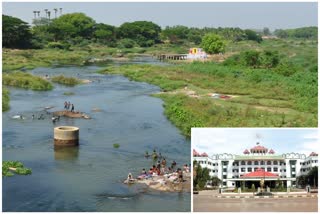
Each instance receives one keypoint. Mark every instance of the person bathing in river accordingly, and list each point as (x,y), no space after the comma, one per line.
(146,155)
(154,154)
(143,172)
(173,164)
(65,105)
(68,105)
(180,175)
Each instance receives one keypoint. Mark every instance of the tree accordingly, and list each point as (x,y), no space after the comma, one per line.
(213,43)
(313,176)
(215,181)
(15,33)
(142,32)
(176,34)
(72,25)
(201,178)
(266,31)
(252,35)
(104,33)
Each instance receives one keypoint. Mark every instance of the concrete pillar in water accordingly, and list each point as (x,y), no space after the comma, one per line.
(66,136)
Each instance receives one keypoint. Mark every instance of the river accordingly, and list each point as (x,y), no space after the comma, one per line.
(89,178)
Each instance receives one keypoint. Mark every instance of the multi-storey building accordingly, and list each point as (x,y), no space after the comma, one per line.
(255,164)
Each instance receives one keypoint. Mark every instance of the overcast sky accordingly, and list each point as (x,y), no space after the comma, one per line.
(208,14)
(235,141)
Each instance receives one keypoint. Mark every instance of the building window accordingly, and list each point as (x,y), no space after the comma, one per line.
(225,170)
(293,176)
(249,163)
(243,169)
(224,177)
(262,162)
(249,169)
(275,169)
(268,162)
(256,163)
(269,169)
(255,169)
(275,162)
(224,183)
(243,163)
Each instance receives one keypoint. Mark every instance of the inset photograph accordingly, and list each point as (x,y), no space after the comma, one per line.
(255,170)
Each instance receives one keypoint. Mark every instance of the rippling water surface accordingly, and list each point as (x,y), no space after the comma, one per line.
(89,178)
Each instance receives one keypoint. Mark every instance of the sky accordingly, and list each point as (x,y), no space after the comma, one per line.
(236,140)
(274,15)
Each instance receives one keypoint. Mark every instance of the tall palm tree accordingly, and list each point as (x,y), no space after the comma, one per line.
(34,12)
(49,13)
(60,11)
(46,10)
(55,12)
(38,13)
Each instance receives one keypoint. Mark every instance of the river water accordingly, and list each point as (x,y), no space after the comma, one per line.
(89,178)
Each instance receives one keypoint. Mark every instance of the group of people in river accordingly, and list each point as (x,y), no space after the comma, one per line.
(160,168)
(67,106)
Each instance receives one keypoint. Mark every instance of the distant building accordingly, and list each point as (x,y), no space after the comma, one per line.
(255,164)
(196,53)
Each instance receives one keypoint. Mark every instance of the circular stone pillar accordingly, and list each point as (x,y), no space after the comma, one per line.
(66,136)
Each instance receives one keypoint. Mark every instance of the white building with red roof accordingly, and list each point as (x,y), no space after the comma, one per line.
(255,164)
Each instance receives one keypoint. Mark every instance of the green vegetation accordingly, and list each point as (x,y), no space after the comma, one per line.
(309,179)
(25,80)
(5,99)
(68,93)
(299,33)
(263,97)
(11,167)
(15,33)
(202,177)
(116,145)
(213,43)
(69,81)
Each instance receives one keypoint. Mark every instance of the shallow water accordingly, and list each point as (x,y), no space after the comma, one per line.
(89,178)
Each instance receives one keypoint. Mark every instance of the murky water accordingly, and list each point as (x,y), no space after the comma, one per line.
(89,178)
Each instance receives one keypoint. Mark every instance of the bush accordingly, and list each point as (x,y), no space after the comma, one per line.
(116,145)
(69,81)
(126,43)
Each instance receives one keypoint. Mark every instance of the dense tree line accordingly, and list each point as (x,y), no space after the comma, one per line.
(299,33)
(79,29)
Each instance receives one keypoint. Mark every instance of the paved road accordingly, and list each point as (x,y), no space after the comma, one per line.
(205,203)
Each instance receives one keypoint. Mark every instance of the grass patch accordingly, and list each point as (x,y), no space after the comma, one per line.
(69,81)
(116,145)
(26,81)
(5,99)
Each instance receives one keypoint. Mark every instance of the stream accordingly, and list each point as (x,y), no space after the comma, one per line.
(89,177)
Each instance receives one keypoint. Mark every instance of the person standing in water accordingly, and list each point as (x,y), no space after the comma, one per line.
(72,108)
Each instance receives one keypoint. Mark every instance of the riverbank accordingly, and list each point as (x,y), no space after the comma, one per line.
(275,102)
